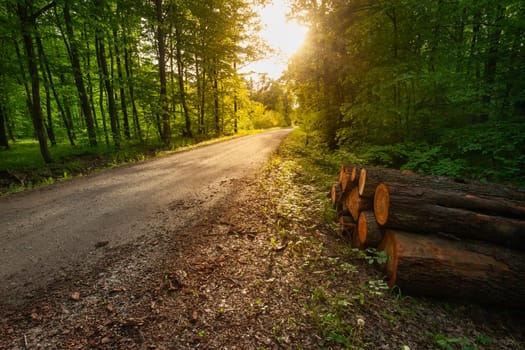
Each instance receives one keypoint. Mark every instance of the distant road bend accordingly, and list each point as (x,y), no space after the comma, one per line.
(45,231)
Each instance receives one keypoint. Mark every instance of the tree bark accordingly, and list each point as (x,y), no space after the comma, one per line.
(490,205)
(28,22)
(182,91)
(47,70)
(113,118)
(77,73)
(122,90)
(348,177)
(370,178)
(4,142)
(161,45)
(135,113)
(414,213)
(431,266)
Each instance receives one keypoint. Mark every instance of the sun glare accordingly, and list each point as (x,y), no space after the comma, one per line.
(285,37)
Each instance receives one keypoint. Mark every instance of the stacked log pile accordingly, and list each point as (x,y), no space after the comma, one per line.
(443,237)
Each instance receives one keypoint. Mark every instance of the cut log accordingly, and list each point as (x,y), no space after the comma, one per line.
(453,199)
(336,193)
(368,233)
(356,204)
(432,266)
(417,214)
(348,177)
(345,169)
(370,178)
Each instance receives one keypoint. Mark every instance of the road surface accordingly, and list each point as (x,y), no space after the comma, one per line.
(45,232)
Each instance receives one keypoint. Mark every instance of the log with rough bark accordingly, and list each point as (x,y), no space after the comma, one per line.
(413,213)
(432,266)
(335,193)
(368,233)
(356,203)
(348,177)
(445,197)
(370,178)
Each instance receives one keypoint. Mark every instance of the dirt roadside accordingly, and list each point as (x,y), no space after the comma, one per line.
(260,269)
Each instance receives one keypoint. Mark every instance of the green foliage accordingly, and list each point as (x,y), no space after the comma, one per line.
(448,343)
(435,87)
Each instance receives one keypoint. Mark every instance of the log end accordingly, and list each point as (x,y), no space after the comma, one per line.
(381,204)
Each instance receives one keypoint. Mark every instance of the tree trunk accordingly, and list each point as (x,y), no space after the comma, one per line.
(129,74)
(49,114)
(431,266)
(182,91)
(368,233)
(491,64)
(123,104)
(4,142)
(47,70)
(113,117)
(77,73)
(413,213)
(28,27)
(216,102)
(102,111)
(161,45)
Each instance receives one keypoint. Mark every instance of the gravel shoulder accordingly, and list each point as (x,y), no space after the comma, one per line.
(257,268)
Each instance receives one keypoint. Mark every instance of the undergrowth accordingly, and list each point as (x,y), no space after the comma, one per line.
(348,303)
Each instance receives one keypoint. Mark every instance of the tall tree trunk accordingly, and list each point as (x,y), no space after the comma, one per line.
(89,80)
(28,22)
(102,112)
(123,103)
(4,142)
(102,62)
(235,105)
(77,73)
(491,64)
(129,74)
(49,114)
(216,111)
(180,71)
(201,78)
(166,132)
(43,59)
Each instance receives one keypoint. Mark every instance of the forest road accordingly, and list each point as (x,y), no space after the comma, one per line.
(48,232)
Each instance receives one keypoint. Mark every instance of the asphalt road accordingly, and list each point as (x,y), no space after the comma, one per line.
(45,232)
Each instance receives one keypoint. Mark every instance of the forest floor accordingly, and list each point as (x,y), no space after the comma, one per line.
(260,270)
